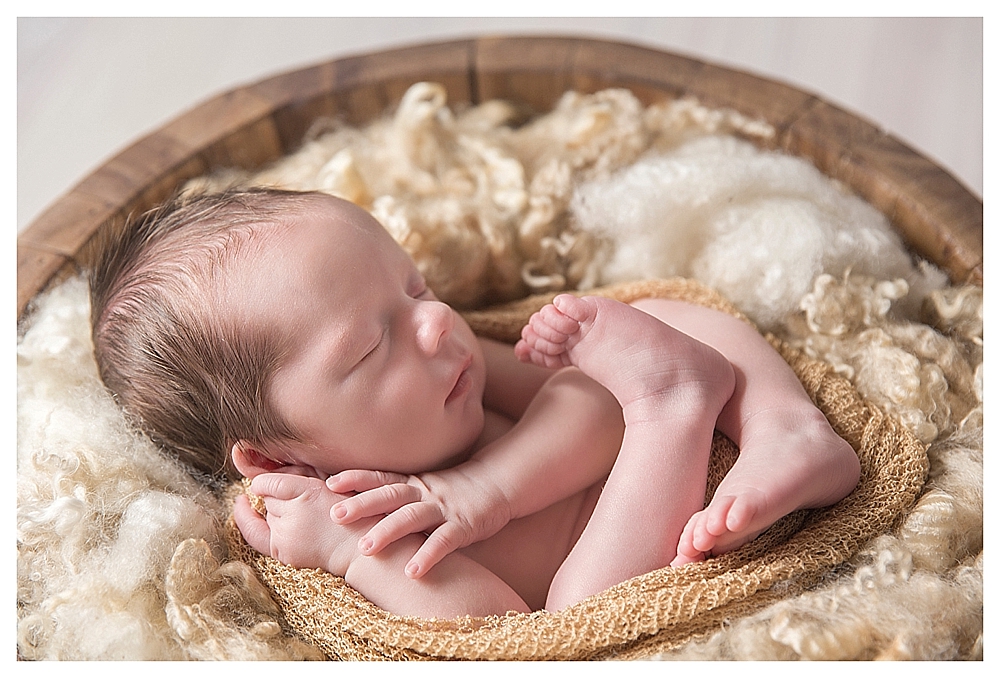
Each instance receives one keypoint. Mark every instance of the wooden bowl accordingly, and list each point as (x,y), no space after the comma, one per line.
(250,126)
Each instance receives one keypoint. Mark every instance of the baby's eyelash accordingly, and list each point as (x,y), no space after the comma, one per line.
(424,291)
(419,288)
(375,348)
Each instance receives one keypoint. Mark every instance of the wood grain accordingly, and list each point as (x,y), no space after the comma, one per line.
(250,126)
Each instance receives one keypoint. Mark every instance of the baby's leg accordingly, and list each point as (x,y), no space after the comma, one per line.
(672,389)
(636,356)
(790,458)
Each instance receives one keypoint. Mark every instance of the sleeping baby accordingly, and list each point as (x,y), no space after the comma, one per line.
(287,336)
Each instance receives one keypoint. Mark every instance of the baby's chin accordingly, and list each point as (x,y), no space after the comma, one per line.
(462,454)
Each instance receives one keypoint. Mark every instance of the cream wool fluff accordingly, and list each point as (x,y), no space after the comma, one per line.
(122,556)
(714,207)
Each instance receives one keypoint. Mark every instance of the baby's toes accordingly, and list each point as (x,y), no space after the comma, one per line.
(580,309)
(718,515)
(539,343)
(701,538)
(557,320)
(526,353)
(552,330)
(685,545)
(681,559)
(740,515)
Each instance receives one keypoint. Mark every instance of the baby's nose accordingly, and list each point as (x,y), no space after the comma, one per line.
(435,321)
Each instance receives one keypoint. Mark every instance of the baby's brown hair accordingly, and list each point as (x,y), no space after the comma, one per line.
(190,376)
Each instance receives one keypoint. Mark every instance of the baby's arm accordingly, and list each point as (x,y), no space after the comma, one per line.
(567,435)
(566,438)
(297,531)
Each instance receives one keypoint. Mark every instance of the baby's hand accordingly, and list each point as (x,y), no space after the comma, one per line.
(453,507)
(297,529)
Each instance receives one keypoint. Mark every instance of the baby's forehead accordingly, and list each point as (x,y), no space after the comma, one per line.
(344,221)
(317,235)
(335,215)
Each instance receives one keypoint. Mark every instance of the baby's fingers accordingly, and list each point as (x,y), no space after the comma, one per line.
(410,519)
(379,501)
(253,526)
(441,542)
(362,481)
(280,485)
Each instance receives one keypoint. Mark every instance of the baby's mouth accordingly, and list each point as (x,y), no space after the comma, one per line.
(462,383)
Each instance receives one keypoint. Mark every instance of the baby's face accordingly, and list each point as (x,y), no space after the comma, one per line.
(379,375)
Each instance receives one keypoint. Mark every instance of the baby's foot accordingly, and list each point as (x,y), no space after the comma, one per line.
(723,526)
(788,465)
(631,353)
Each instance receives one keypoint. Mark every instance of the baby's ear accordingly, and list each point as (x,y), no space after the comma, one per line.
(250,461)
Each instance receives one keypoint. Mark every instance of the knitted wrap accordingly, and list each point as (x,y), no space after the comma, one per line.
(657,611)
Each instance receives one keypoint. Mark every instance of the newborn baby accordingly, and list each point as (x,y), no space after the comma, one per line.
(442,474)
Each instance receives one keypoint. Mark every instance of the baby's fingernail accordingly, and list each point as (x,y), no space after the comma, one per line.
(366,545)
(339,512)
(412,570)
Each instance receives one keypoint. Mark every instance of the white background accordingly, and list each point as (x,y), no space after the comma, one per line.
(87,87)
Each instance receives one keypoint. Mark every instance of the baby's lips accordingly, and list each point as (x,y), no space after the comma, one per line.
(462,381)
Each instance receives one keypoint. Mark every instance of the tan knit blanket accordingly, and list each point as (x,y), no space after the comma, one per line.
(658,611)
